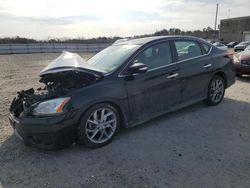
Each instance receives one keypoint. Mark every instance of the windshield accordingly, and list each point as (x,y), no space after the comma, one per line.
(244,43)
(112,57)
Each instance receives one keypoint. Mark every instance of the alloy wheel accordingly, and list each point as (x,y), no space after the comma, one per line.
(101,125)
(217,90)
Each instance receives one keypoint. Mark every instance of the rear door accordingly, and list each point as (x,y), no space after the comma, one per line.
(196,68)
(157,90)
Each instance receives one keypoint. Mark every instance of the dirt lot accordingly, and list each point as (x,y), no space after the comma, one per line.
(198,146)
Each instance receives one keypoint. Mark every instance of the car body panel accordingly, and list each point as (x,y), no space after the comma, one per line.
(46,132)
(153,87)
(69,62)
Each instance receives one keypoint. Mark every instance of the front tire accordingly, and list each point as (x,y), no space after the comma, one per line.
(216,91)
(98,125)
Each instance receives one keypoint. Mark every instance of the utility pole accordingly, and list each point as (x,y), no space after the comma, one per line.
(215,24)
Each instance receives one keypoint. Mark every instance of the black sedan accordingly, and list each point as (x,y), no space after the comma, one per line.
(124,85)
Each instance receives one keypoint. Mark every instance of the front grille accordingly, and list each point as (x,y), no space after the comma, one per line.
(16,107)
(245,62)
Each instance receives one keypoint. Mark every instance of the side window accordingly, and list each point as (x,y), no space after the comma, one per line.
(187,49)
(206,48)
(156,56)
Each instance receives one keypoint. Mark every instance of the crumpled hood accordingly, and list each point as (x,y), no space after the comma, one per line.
(70,62)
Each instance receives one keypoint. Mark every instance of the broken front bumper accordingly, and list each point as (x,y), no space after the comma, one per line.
(45,132)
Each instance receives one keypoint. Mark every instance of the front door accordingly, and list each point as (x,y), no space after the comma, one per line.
(158,90)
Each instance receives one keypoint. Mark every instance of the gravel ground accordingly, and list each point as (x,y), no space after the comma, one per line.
(197,146)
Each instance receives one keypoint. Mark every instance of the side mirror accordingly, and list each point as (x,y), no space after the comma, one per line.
(138,67)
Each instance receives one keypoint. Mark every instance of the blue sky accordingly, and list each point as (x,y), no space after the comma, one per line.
(41,19)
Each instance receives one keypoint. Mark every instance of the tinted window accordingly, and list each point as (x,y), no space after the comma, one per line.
(156,56)
(187,49)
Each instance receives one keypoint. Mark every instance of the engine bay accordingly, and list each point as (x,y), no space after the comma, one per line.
(55,85)
(63,75)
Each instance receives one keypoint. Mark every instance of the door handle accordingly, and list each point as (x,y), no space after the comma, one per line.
(206,66)
(171,76)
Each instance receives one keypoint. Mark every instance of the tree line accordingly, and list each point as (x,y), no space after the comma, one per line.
(206,33)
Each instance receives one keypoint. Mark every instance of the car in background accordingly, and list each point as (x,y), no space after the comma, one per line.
(241,46)
(242,62)
(232,44)
(220,46)
(124,85)
(121,40)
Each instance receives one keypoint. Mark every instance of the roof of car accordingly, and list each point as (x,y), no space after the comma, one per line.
(141,41)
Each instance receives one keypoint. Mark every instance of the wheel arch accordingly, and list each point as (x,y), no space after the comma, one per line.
(223,75)
(115,105)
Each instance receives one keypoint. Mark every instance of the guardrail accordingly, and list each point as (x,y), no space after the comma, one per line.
(50,48)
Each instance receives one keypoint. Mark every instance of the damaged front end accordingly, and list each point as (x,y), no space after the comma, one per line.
(24,100)
(41,117)
(63,75)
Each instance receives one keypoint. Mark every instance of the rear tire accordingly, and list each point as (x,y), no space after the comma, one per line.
(98,125)
(216,91)
(238,75)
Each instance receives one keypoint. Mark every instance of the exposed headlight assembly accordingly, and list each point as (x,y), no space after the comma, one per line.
(51,107)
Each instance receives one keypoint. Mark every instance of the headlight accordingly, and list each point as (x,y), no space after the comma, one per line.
(236,59)
(50,107)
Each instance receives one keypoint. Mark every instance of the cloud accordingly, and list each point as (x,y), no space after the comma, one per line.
(140,16)
(50,20)
(94,18)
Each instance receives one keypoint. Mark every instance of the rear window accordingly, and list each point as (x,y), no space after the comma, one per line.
(187,49)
